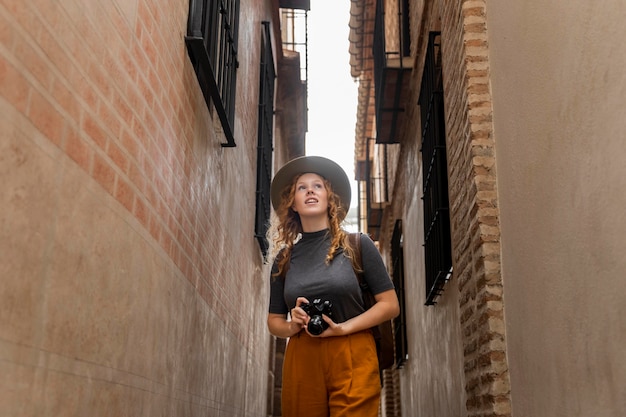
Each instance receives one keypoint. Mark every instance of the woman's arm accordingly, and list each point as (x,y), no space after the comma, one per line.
(385,308)
(281,327)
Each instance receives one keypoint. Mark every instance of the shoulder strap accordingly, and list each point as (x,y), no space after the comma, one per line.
(368,297)
(357,263)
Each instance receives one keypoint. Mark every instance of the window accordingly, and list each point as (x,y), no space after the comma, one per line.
(393,64)
(399,323)
(212,29)
(264,145)
(437,241)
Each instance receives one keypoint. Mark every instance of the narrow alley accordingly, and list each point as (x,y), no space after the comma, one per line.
(139,140)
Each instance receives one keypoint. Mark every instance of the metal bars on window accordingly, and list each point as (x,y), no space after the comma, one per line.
(392,66)
(212,29)
(399,323)
(437,241)
(374,209)
(265,138)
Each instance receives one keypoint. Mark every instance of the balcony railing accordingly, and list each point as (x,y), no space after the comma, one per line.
(392,65)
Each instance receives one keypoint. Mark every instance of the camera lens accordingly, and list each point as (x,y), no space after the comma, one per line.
(317,325)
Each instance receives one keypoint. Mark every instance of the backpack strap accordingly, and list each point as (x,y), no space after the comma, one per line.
(357,265)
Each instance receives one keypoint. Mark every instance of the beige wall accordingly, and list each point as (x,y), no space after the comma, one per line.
(559,95)
(131,281)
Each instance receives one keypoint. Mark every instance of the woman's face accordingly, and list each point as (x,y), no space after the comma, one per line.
(311,196)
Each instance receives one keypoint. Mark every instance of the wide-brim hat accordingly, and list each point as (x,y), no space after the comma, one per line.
(319,165)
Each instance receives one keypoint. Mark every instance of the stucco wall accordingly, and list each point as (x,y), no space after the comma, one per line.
(131,281)
(559,95)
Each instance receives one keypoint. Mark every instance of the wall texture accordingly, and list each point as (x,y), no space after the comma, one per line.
(131,280)
(432,381)
(559,100)
(532,322)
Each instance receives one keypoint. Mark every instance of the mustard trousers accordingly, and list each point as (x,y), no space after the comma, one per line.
(331,377)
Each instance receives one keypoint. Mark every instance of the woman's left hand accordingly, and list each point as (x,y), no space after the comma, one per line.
(333,329)
(385,308)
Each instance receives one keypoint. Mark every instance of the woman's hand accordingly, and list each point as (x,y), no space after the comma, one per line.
(298,316)
(280,326)
(385,308)
(334,329)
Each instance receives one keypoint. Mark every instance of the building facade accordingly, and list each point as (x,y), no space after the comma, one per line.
(489,154)
(138,142)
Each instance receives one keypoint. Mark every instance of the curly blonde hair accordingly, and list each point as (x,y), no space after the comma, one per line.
(285,228)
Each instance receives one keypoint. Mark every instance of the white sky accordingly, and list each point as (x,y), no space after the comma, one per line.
(332,93)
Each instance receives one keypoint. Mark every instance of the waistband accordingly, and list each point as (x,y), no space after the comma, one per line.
(304,333)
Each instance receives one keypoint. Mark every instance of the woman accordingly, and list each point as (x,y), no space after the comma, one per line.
(333,373)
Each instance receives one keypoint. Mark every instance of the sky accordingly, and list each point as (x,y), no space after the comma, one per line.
(332,92)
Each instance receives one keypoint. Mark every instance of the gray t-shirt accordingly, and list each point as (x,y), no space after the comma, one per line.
(308,276)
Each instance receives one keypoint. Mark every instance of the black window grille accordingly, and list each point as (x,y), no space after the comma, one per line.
(212,30)
(391,50)
(437,241)
(373,208)
(265,139)
(399,323)
(405,28)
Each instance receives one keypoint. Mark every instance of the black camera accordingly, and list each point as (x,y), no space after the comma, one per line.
(315,310)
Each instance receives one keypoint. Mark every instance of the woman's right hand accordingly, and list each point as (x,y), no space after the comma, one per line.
(298,316)
(282,326)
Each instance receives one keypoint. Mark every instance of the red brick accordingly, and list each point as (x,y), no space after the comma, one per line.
(148,48)
(67,100)
(85,91)
(110,66)
(103,173)
(7,32)
(33,62)
(154,226)
(118,156)
(120,24)
(77,149)
(124,193)
(62,56)
(94,131)
(128,142)
(140,211)
(136,177)
(13,86)
(140,59)
(110,121)
(46,117)
(123,110)
(102,80)
(23,15)
(128,64)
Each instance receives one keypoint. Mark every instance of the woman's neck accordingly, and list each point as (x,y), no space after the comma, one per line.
(310,225)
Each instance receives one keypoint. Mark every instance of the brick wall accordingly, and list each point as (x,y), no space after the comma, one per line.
(127,254)
(474,206)
(469,314)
